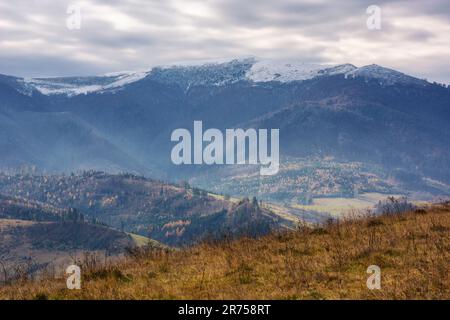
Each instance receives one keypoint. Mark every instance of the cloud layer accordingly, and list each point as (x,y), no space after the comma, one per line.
(136,34)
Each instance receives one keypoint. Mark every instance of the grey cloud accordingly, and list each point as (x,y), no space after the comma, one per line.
(38,66)
(129,34)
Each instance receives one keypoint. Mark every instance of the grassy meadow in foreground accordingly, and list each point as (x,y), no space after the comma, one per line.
(328,262)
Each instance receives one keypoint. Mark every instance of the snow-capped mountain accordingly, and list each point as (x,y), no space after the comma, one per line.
(123,121)
(217,73)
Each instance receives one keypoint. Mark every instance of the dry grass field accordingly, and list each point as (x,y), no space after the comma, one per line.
(339,206)
(327,262)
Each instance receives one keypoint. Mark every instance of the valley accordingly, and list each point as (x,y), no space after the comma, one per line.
(48,220)
(87,166)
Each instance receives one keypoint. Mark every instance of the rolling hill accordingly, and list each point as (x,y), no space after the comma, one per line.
(172,214)
(38,237)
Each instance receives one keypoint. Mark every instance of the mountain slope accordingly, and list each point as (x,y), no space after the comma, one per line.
(371,115)
(327,262)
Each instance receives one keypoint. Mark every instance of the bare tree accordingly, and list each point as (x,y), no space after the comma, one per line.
(5,273)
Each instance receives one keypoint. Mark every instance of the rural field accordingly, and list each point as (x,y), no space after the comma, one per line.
(338,206)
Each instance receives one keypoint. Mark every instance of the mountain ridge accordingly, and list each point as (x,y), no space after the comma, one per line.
(251,69)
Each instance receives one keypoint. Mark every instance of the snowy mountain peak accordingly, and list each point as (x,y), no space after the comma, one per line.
(384,75)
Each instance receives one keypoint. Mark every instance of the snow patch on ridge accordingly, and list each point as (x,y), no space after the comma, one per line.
(286,71)
(72,86)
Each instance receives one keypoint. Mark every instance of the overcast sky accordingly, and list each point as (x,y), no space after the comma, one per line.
(120,35)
